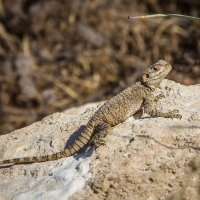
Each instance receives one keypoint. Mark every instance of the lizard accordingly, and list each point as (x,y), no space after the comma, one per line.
(138,96)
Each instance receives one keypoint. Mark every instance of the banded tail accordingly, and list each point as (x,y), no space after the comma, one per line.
(69,151)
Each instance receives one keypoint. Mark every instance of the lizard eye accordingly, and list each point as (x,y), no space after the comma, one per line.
(147,75)
(155,68)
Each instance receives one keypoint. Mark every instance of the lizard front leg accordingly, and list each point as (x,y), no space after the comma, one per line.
(149,108)
(101,130)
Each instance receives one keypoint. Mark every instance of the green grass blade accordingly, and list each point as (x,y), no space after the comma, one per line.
(165,15)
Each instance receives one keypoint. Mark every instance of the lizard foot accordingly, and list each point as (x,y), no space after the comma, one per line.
(158,97)
(173,114)
(97,142)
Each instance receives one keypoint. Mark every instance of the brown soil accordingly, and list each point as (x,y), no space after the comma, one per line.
(57,54)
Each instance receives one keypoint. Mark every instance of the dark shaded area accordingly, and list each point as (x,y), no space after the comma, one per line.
(58,54)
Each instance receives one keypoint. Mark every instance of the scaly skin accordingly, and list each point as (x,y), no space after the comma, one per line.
(115,111)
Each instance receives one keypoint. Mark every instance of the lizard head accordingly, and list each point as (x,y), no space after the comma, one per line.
(156,73)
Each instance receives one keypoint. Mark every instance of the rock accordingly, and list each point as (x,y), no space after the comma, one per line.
(144,158)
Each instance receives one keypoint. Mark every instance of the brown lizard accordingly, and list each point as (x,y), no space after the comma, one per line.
(116,110)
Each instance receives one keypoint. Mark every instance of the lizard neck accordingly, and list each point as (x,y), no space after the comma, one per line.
(150,88)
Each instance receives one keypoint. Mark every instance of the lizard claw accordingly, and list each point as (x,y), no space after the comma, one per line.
(100,142)
(97,142)
(158,97)
(178,116)
(175,111)
(175,114)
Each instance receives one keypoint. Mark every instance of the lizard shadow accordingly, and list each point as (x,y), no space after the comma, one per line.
(84,152)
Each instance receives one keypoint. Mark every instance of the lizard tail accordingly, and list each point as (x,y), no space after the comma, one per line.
(79,143)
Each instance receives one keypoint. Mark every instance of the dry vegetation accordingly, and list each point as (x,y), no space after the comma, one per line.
(57,54)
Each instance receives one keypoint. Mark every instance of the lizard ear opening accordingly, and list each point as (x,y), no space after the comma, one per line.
(145,77)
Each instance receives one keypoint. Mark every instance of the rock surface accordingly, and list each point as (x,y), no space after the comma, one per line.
(144,158)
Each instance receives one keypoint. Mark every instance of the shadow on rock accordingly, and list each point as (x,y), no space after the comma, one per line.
(84,152)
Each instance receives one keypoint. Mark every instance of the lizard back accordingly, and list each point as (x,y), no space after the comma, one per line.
(122,106)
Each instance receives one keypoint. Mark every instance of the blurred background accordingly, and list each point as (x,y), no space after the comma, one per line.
(63,53)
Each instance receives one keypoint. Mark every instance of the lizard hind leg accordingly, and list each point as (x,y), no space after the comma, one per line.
(101,130)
